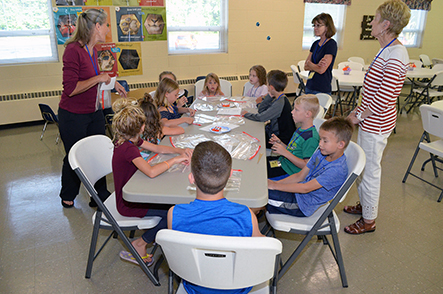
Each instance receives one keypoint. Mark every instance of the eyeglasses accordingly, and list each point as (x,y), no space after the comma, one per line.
(318,25)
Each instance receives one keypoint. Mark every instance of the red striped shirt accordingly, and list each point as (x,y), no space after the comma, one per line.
(381,88)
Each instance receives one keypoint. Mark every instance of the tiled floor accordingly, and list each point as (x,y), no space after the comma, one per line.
(43,247)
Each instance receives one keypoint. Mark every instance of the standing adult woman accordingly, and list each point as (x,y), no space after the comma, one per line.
(377,114)
(79,114)
(321,56)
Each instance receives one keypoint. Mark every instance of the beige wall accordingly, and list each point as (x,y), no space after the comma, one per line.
(280,19)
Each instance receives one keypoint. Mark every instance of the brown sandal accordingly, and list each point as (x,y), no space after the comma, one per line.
(360,227)
(356,209)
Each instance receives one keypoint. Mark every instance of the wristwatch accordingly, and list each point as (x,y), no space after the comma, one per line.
(358,116)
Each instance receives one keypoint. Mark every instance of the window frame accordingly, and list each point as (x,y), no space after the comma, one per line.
(53,57)
(339,35)
(419,32)
(222,30)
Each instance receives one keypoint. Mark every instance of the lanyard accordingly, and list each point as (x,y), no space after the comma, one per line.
(317,49)
(253,95)
(92,61)
(317,169)
(370,66)
(298,135)
(279,96)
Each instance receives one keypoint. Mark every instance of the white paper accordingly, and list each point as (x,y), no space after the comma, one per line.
(109,86)
(229,111)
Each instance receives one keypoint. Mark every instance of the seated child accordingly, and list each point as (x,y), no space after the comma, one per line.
(301,194)
(182,94)
(129,123)
(276,108)
(257,77)
(154,130)
(212,86)
(165,96)
(210,213)
(304,141)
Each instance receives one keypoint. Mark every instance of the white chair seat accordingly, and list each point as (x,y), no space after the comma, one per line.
(287,223)
(435,147)
(124,221)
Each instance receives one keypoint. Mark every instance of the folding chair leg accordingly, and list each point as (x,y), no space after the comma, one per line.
(338,256)
(434,166)
(93,244)
(294,256)
(171,282)
(413,158)
(43,131)
(441,196)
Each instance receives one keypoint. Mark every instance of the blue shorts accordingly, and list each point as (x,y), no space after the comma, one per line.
(283,203)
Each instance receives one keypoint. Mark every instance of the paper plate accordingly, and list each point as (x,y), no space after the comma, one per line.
(220,130)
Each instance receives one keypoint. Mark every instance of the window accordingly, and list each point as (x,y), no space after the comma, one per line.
(412,34)
(337,12)
(26,32)
(197,26)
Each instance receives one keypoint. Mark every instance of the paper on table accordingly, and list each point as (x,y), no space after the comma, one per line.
(209,127)
(229,111)
(109,86)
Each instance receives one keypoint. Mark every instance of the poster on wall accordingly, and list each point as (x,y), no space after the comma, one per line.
(108,21)
(65,20)
(125,2)
(129,24)
(98,2)
(69,2)
(129,58)
(107,58)
(154,23)
(151,2)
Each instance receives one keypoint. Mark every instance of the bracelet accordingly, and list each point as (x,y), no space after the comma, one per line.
(167,164)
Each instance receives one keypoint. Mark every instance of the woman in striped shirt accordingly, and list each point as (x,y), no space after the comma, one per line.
(377,113)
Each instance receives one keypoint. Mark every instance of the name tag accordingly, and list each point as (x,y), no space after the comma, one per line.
(311,75)
(274,163)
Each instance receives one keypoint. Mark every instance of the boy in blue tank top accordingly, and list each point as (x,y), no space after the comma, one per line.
(210,213)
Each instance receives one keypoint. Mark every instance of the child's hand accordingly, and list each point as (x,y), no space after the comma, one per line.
(191,111)
(259,100)
(274,139)
(182,101)
(186,151)
(184,158)
(189,120)
(271,185)
(279,148)
(243,112)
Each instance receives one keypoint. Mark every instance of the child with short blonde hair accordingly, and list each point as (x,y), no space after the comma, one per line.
(304,141)
(165,96)
(129,124)
(212,86)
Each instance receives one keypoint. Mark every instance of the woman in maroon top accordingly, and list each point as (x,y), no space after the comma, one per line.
(79,114)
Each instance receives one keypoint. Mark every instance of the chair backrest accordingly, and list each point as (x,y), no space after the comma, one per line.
(318,122)
(438,80)
(334,84)
(247,87)
(417,63)
(357,60)
(321,113)
(438,67)
(301,65)
(325,100)
(437,61)
(93,157)
(432,119)
(220,262)
(225,86)
(426,60)
(352,65)
(356,161)
(296,74)
(47,113)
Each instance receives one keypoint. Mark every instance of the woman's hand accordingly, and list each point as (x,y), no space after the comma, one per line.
(103,78)
(353,118)
(120,89)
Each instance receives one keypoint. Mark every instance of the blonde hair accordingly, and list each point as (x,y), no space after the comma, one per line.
(128,120)
(213,76)
(85,25)
(261,74)
(309,102)
(397,13)
(153,126)
(166,86)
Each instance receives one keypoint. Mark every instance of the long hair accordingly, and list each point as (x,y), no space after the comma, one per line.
(128,120)
(166,86)
(213,76)
(153,126)
(261,74)
(85,25)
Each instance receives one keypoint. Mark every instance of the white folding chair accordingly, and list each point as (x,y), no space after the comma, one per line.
(220,262)
(247,87)
(426,60)
(349,90)
(336,98)
(324,221)
(321,113)
(357,60)
(428,92)
(325,101)
(318,122)
(301,65)
(152,93)
(225,86)
(198,87)
(91,159)
(298,80)
(417,63)
(437,61)
(432,120)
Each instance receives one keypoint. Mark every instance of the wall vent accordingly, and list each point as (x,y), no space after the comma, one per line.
(186,82)
(21,96)
(290,74)
(230,78)
(244,77)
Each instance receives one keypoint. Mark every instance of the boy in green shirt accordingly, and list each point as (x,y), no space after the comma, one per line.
(304,141)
